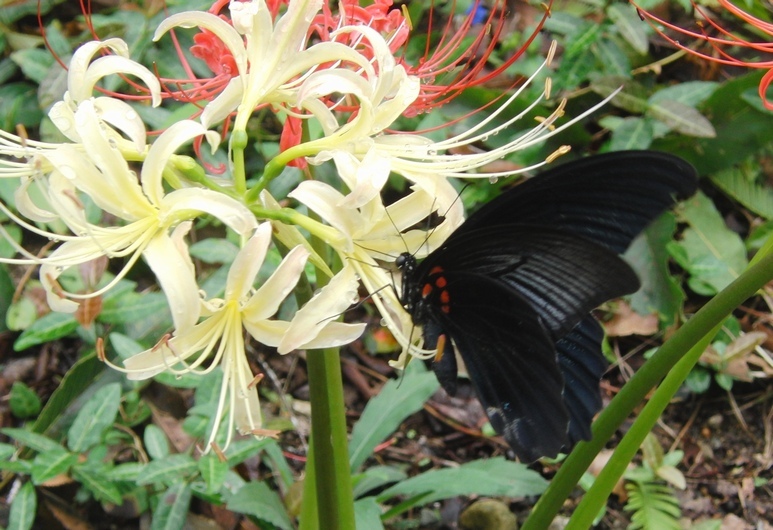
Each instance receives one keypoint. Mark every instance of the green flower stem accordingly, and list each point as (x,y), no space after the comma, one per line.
(328,481)
(309,519)
(603,485)
(688,336)
(239,141)
(335,501)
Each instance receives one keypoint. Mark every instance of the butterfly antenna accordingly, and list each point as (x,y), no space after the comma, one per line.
(431,230)
(397,230)
(357,305)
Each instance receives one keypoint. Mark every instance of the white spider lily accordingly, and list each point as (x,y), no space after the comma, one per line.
(363,142)
(271,57)
(218,339)
(120,123)
(84,73)
(98,169)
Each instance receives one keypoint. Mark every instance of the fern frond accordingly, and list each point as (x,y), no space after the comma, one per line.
(653,507)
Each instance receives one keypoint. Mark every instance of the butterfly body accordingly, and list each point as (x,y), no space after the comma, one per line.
(513,287)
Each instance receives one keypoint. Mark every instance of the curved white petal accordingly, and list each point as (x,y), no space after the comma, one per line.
(168,258)
(267,299)
(231,212)
(162,149)
(26,205)
(365,178)
(80,61)
(68,254)
(327,304)
(226,102)
(335,334)
(248,261)
(115,64)
(222,30)
(123,117)
(323,199)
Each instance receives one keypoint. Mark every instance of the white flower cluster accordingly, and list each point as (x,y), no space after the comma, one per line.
(148,205)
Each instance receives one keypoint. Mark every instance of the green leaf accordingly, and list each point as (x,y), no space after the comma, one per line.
(34,62)
(96,416)
(214,250)
(50,464)
(492,477)
(75,381)
(128,472)
(21,314)
(23,508)
(213,471)
(725,381)
(258,500)
(398,399)
(660,292)
(629,26)
(132,307)
(632,98)
(712,253)
(574,70)
(376,477)
(367,514)
(168,470)
(241,450)
(124,346)
(98,483)
(172,507)
(47,328)
(19,467)
(34,441)
(682,118)
(744,188)
(19,106)
(156,443)
(6,451)
(23,401)
(632,133)
(615,61)
(741,130)
(698,380)
(278,463)
(7,290)
(690,93)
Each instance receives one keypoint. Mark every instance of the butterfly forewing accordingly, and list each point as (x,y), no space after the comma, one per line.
(608,199)
(560,275)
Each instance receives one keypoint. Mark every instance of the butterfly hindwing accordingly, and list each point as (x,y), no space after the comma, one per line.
(582,365)
(509,357)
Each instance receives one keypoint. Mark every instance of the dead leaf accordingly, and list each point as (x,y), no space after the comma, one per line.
(628,322)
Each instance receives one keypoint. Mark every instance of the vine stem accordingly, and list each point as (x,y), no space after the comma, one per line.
(696,331)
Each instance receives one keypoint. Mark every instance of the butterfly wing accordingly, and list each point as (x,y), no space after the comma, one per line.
(510,359)
(607,198)
(582,365)
(562,276)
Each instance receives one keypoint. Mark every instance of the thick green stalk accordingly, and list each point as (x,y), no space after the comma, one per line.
(602,487)
(335,502)
(329,450)
(634,392)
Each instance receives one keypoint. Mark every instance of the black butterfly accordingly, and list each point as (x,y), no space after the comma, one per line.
(513,287)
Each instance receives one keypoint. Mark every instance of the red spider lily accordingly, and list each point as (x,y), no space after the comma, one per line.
(723,41)
(455,60)
(444,71)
